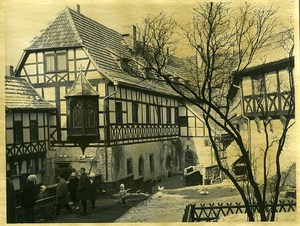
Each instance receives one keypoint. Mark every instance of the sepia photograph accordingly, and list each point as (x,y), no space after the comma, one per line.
(150,111)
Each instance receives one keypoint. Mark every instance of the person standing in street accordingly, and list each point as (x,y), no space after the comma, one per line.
(10,199)
(122,194)
(95,187)
(83,191)
(73,185)
(62,195)
(28,198)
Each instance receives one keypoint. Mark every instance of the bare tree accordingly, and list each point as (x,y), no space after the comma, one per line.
(226,42)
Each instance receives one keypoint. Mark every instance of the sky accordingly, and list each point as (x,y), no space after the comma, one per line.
(25,19)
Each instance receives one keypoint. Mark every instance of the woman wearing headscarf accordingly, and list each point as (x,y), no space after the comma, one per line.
(28,198)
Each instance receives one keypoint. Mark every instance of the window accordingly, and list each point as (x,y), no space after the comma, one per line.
(55,62)
(148,114)
(176,116)
(18,132)
(119,118)
(34,132)
(77,114)
(151,163)
(183,121)
(158,109)
(168,115)
(90,114)
(141,166)
(129,166)
(259,85)
(206,143)
(135,111)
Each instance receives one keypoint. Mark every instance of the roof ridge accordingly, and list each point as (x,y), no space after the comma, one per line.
(90,19)
(74,28)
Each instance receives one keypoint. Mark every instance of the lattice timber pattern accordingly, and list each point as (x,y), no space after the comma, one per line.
(212,211)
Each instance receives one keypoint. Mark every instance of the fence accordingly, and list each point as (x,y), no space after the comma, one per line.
(212,212)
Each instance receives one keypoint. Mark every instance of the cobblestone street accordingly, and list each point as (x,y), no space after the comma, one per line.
(163,206)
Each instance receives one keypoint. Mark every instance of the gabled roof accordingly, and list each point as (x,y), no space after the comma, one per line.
(19,94)
(81,87)
(73,29)
(104,46)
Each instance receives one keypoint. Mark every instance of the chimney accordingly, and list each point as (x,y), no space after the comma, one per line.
(78,8)
(130,36)
(134,36)
(9,70)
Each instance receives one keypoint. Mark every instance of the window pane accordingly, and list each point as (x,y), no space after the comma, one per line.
(50,63)
(90,114)
(119,118)
(135,108)
(33,131)
(18,132)
(61,62)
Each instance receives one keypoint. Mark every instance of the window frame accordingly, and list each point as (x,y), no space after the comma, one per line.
(129,166)
(55,56)
(18,132)
(34,131)
(135,113)
(119,112)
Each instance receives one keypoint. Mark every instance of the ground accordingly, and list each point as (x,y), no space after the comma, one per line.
(162,206)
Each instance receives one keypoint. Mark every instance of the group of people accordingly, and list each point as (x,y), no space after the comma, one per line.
(81,187)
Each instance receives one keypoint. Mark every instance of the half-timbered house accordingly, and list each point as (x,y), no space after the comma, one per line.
(263,93)
(27,122)
(110,118)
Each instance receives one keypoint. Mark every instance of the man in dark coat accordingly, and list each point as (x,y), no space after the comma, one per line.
(10,199)
(73,185)
(83,191)
(28,198)
(95,187)
(62,195)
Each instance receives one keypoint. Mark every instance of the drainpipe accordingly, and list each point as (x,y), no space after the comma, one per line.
(106,129)
(248,120)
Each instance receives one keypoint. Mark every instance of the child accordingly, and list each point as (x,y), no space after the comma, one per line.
(122,194)
(43,193)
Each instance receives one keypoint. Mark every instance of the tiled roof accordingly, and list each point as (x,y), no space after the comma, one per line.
(71,28)
(104,45)
(153,85)
(19,94)
(82,87)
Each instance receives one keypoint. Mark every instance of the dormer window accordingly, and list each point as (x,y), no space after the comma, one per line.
(55,62)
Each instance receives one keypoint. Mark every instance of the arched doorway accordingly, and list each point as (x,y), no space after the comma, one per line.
(189,159)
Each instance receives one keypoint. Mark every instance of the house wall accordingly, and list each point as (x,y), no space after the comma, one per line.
(27,155)
(273,89)
(114,162)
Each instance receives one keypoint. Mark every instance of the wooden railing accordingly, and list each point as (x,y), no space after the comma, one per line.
(271,103)
(212,212)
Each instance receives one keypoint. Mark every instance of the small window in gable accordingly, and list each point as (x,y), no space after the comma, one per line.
(55,62)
